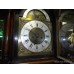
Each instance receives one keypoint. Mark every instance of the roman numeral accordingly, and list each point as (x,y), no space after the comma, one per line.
(46,41)
(36,47)
(42,46)
(31,26)
(42,27)
(31,45)
(45,30)
(47,36)
(27,29)
(24,35)
(26,41)
(37,24)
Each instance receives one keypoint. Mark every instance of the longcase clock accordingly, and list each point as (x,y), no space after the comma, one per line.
(34,34)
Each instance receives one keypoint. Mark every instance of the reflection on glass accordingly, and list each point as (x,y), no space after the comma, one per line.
(1,28)
(1,36)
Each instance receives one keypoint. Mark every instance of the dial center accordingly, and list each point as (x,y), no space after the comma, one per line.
(36,35)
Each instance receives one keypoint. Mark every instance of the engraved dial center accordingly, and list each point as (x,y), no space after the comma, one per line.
(36,35)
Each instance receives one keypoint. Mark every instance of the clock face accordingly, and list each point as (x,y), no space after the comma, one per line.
(66,33)
(35,36)
(67,36)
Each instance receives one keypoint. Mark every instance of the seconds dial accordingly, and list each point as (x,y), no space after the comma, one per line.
(35,36)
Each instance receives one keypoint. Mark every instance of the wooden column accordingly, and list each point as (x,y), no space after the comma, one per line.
(9,37)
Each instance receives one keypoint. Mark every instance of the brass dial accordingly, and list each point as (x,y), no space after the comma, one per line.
(34,33)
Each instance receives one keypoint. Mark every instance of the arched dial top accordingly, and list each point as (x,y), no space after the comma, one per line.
(32,14)
(35,36)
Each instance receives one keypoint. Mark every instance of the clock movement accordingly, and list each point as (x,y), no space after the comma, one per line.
(34,34)
(66,36)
